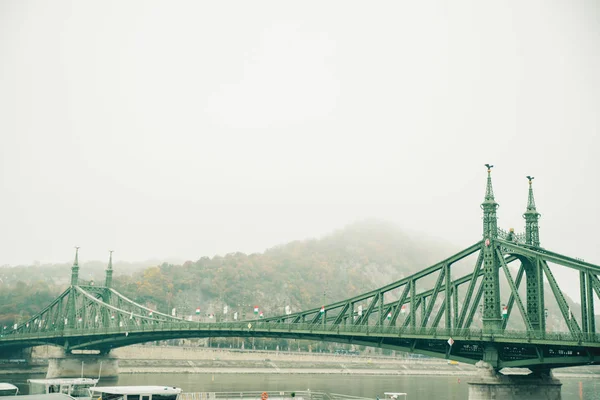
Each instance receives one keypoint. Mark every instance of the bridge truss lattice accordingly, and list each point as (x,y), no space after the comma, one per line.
(432,312)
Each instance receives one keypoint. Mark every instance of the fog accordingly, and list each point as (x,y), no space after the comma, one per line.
(182,129)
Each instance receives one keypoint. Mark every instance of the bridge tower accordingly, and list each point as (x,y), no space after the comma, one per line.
(71,302)
(533,268)
(491,294)
(532,231)
(109,272)
(106,296)
(75,269)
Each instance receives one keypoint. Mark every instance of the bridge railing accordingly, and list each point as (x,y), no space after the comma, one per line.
(259,328)
(273,395)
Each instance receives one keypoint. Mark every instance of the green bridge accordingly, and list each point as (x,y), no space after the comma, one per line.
(433,312)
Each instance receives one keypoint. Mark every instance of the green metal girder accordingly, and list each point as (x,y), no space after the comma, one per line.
(455,306)
(419,275)
(556,258)
(511,299)
(381,313)
(534,292)
(473,280)
(514,291)
(474,305)
(399,304)
(342,314)
(595,284)
(447,280)
(316,318)
(591,316)
(541,297)
(386,311)
(583,299)
(365,317)
(458,281)
(438,316)
(413,305)
(560,299)
(410,320)
(436,290)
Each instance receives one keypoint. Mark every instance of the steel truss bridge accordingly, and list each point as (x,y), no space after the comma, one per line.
(432,312)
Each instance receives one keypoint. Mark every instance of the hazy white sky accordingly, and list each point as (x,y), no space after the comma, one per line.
(182,129)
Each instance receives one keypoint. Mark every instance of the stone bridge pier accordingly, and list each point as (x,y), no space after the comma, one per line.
(489,384)
(86,365)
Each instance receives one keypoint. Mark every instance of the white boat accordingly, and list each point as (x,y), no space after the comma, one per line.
(135,393)
(74,387)
(394,395)
(8,389)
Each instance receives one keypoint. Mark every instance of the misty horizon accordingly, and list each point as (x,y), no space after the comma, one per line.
(179,260)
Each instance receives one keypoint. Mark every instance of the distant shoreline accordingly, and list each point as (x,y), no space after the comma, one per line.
(201,360)
(41,370)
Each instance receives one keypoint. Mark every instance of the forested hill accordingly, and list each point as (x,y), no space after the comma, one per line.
(302,274)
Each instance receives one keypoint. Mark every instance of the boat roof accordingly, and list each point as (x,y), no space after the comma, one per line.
(65,381)
(137,389)
(395,394)
(52,396)
(7,386)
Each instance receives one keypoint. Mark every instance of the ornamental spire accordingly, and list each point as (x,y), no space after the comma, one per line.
(75,269)
(489,206)
(530,199)
(532,231)
(489,190)
(109,271)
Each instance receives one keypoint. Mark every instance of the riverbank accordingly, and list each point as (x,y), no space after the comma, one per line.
(142,359)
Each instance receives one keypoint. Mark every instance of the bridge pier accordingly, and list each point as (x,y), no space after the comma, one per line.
(490,384)
(92,365)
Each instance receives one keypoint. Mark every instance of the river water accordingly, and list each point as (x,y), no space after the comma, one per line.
(417,387)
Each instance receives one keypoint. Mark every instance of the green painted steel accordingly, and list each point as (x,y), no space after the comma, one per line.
(532,231)
(404,315)
(514,292)
(455,306)
(71,298)
(447,299)
(491,281)
(583,299)
(413,307)
(109,272)
(591,316)
(511,299)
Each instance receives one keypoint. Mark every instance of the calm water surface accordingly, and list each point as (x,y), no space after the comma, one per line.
(417,387)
